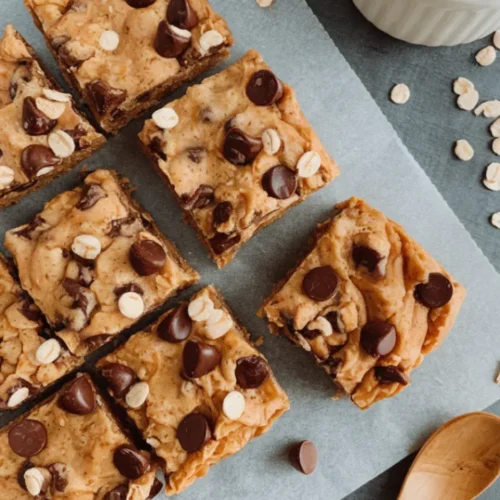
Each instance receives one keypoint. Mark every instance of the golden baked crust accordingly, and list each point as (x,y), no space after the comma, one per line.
(135,69)
(191,155)
(18,63)
(171,397)
(44,255)
(385,293)
(80,447)
(19,341)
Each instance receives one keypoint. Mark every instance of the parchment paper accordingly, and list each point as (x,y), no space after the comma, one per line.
(354,446)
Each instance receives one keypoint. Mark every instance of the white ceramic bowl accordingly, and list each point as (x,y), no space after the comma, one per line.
(433,22)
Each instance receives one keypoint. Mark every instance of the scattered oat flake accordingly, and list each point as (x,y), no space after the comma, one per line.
(495,128)
(469,100)
(496,39)
(495,221)
(486,56)
(463,150)
(492,177)
(400,93)
(479,110)
(264,3)
(490,109)
(495,146)
(461,85)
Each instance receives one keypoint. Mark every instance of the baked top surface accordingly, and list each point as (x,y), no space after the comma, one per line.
(221,156)
(88,249)
(75,450)
(379,274)
(175,392)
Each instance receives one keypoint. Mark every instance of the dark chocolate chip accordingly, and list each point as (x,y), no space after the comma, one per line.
(304,457)
(280,182)
(72,287)
(222,212)
(20,473)
(332,365)
(176,327)
(120,492)
(196,154)
(1,153)
(378,338)
(21,75)
(130,461)
(59,473)
(157,146)
(34,121)
(391,374)
(117,225)
(168,42)
(437,292)
(36,157)
(320,283)
(130,287)
(140,4)
(366,256)
(30,311)
(27,438)
(30,228)
(240,148)
(91,194)
(119,378)
(201,198)
(147,257)
(105,97)
(79,397)
(194,432)
(77,134)
(333,317)
(310,334)
(97,341)
(222,242)
(199,359)
(251,372)
(181,14)
(264,88)
(155,489)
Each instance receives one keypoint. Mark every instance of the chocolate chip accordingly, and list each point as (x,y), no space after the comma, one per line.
(130,287)
(147,257)
(36,157)
(176,327)
(280,182)
(69,57)
(91,194)
(79,397)
(320,283)
(169,43)
(264,88)
(201,198)
(437,292)
(155,489)
(222,212)
(251,372)
(97,341)
(30,311)
(391,374)
(332,365)
(222,242)
(20,473)
(119,378)
(157,146)
(310,334)
(120,492)
(196,154)
(21,75)
(194,432)
(34,121)
(304,457)
(240,148)
(105,97)
(366,256)
(181,14)
(333,317)
(59,473)
(127,226)
(27,438)
(140,4)
(378,338)
(77,134)
(130,461)
(199,359)
(31,227)
(72,287)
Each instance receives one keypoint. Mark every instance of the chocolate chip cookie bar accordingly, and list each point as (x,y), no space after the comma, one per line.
(42,135)
(70,447)
(29,361)
(367,301)
(94,262)
(123,56)
(195,387)
(237,152)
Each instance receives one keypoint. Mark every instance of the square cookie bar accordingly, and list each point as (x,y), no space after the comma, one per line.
(29,361)
(70,447)
(195,387)
(42,135)
(123,56)
(237,152)
(95,262)
(367,301)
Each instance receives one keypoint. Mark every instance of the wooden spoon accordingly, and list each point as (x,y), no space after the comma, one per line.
(458,462)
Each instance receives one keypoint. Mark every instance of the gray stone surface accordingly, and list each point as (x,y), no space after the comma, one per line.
(428,124)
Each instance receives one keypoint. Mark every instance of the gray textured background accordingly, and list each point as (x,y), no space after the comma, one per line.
(428,124)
